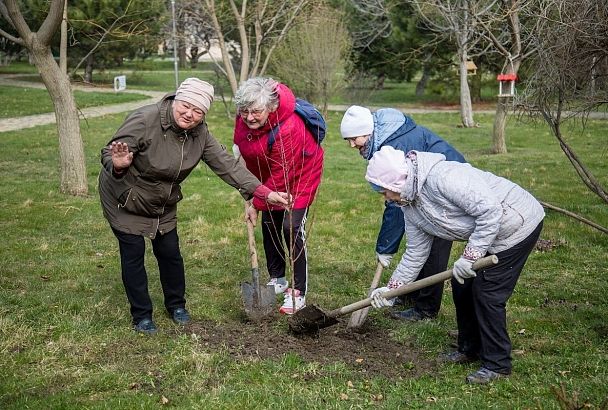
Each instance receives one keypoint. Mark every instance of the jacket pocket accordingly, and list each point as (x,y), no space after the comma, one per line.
(176,195)
(510,222)
(143,198)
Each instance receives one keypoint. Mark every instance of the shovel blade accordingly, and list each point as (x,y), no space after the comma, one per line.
(258,301)
(310,319)
(357,319)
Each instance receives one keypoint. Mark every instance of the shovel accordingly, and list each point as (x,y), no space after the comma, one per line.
(259,300)
(312,318)
(358,317)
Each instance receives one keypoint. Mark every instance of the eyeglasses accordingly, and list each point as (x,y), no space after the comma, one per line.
(256,113)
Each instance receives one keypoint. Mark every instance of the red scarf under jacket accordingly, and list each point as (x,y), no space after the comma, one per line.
(294,164)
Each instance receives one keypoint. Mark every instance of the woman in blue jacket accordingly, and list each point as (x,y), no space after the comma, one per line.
(368,132)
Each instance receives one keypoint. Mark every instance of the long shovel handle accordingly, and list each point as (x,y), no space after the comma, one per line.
(252,250)
(358,317)
(411,287)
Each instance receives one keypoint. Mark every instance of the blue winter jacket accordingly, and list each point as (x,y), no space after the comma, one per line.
(392,127)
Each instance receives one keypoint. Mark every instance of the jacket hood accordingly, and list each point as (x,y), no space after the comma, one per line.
(386,122)
(425,163)
(399,172)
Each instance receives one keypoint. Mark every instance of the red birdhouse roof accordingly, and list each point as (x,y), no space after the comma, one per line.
(506,77)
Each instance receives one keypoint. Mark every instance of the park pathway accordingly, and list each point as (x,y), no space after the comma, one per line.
(29,121)
(18,123)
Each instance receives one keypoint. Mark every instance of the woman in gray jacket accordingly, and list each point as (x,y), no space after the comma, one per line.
(153,151)
(458,202)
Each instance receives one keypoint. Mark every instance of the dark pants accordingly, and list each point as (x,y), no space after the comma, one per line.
(428,300)
(481,307)
(279,228)
(134,276)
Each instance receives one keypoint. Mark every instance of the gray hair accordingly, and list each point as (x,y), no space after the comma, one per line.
(257,92)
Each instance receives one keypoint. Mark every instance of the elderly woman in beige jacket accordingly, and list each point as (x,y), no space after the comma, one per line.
(458,202)
(153,151)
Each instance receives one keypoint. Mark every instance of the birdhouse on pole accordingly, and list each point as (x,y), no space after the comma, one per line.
(506,85)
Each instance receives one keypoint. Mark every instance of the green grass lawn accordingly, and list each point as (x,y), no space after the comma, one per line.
(64,322)
(30,101)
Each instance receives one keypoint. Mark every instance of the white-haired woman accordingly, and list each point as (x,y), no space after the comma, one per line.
(288,158)
(458,202)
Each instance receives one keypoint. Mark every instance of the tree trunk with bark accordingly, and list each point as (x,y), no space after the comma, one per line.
(466,106)
(500,120)
(73,179)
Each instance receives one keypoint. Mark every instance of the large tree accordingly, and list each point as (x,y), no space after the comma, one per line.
(104,32)
(569,75)
(73,179)
(248,32)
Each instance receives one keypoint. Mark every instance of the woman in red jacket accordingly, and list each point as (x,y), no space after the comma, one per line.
(292,163)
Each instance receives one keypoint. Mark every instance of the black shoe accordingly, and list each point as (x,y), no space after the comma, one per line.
(411,315)
(145,326)
(458,357)
(181,316)
(484,376)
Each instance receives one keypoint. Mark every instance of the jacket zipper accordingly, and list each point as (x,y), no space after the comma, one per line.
(181,162)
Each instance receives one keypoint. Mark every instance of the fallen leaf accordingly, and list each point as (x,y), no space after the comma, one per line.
(359,360)
(563,372)
(377,397)
(431,399)
(350,384)
(518,352)
(164,400)
(521,331)
(343,396)
(45,277)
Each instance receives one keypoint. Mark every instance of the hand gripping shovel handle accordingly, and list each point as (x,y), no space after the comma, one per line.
(411,287)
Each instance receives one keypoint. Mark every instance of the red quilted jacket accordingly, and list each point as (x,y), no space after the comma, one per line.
(294,164)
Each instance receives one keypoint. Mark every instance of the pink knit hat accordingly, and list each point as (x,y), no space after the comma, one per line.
(387,169)
(196,92)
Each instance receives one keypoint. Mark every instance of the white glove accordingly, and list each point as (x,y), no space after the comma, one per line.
(463,269)
(378,301)
(384,259)
(236,152)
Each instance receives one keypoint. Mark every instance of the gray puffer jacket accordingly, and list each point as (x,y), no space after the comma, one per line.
(458,202)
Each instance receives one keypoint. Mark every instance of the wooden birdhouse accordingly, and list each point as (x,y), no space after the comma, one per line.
(471,68)
(506,85)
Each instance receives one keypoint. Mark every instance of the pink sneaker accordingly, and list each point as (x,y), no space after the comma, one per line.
(288,307)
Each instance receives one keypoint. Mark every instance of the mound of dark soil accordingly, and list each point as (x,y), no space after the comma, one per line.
(369,351)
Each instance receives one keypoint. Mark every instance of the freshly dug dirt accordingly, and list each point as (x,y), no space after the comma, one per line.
(369,351)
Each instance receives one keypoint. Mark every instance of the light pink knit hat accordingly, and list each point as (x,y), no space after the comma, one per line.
(196,92)
(387,169)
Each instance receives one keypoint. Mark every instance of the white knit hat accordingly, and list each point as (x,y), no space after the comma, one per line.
(357,121)
(387,169)
(196,92)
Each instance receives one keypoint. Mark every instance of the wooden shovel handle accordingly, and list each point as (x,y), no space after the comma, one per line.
(252,251)
(376,279)
(411,287)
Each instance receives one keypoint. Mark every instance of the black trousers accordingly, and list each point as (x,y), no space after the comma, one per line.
(481,307)
(428,300)
(280,230)
(134,276)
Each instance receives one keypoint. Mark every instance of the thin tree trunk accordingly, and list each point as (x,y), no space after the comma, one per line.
(500,120)
(73,178)
(88,69)
(466,107)
(421,85)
